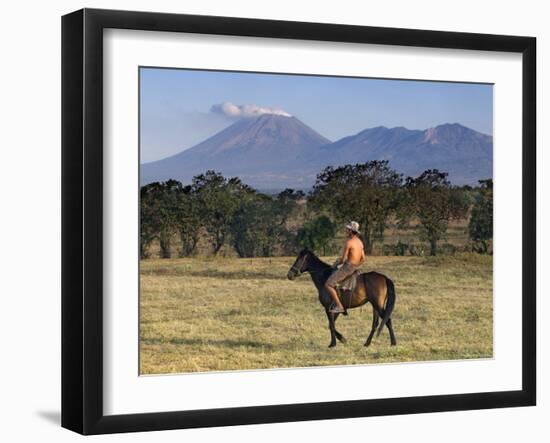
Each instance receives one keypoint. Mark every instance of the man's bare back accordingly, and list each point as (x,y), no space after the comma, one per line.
(354,251)
(353,256)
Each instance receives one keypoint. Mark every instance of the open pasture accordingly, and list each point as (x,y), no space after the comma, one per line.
(218,314)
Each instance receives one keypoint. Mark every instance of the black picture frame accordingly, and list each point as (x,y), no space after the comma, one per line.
(82,218)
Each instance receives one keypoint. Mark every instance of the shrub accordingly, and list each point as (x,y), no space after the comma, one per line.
(417,250)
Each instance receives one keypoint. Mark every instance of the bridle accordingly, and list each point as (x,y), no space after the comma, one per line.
(297,269)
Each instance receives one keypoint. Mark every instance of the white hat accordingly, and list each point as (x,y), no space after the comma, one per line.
(353,226)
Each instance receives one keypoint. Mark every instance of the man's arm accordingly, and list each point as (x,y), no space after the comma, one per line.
(345,253)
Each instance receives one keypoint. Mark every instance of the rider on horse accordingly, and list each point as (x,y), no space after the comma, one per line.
(353,256)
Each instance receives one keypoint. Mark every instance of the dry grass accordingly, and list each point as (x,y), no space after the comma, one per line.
(235,314)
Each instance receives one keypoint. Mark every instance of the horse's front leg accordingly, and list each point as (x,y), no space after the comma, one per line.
(339,336)
(334,334)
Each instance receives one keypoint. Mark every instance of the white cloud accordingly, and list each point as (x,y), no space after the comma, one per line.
(232,110)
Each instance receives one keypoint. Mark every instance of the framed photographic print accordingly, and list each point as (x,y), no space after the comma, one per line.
(268,221)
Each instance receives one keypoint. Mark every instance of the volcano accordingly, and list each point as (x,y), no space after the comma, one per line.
(266,152)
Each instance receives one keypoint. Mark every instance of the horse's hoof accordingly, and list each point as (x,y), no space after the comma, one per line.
(367,344)
(332,345)
(343,340)
(394,344)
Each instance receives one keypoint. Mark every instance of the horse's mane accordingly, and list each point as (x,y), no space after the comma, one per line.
(317,261)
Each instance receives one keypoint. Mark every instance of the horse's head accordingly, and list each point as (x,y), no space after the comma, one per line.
(300,265)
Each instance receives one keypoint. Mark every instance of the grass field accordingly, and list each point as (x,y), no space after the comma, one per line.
(234,314)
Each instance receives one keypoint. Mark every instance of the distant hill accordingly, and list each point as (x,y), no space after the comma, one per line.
(465,154)
(274,152)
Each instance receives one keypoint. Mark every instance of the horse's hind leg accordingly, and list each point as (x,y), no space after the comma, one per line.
(375,318)
(392,335)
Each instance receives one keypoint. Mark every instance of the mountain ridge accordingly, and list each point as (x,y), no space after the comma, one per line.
(274,152)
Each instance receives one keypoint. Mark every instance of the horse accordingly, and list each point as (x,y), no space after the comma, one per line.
(371,287)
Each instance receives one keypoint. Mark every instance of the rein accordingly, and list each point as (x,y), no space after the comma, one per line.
(298,270)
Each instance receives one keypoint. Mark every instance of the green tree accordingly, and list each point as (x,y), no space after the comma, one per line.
(158,215)
(368,193)
(434,202)
(259,226)
(289,204)
(250,227)
(219,199)
(481,221)
(148,225)
(189,221)
(461,200)
(317,234)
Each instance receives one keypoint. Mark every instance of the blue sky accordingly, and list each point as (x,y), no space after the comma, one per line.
(176,104)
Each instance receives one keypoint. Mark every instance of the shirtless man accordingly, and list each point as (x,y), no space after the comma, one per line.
(352,258)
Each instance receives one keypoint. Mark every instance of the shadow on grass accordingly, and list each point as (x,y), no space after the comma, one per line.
(216,274)
(226,343)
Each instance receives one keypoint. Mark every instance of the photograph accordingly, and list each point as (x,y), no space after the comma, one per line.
(293,221)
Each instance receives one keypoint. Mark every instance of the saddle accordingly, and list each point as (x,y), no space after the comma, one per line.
(349,283)
(345,289)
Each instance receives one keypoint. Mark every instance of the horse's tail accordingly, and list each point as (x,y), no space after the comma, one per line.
(390,303)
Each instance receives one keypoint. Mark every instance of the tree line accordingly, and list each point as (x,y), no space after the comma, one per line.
(226,212)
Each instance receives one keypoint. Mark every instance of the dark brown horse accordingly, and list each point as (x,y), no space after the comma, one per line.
(371,287)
